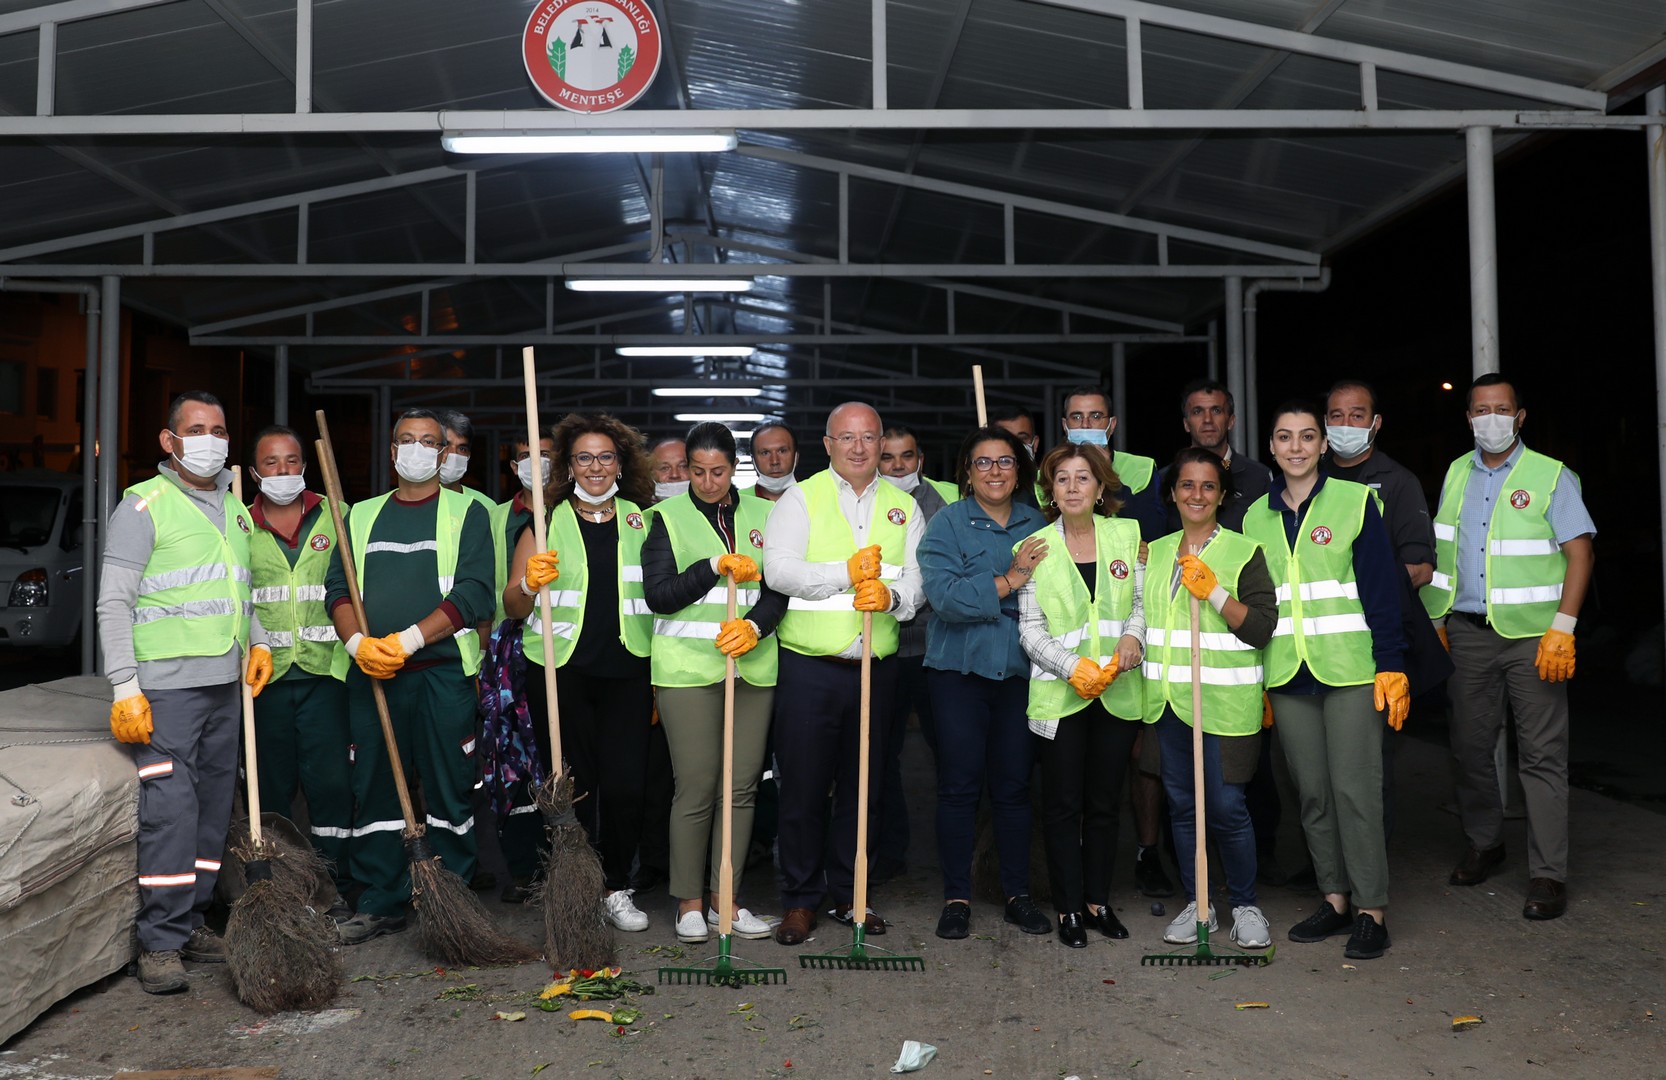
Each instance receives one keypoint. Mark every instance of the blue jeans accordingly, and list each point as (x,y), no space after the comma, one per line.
(982,736)
(1223,803)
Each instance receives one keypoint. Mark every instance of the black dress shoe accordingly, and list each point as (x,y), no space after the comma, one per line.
(1476,865)
(1148,874)
(1022,913)
(1107,923)
(956,920)
(1071,931)
(1547,898)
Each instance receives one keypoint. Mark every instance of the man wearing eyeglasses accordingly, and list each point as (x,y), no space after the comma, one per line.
(839,544)
(424,560)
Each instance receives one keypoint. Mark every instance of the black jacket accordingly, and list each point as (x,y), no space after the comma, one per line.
(670,588)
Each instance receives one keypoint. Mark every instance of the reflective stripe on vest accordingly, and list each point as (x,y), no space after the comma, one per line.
(827,627)
(1090,628)
(636,618)
(1524,565)
(685,651)
(1231,672)
(1320,620)
(290,599)
(193,598)
(450,511)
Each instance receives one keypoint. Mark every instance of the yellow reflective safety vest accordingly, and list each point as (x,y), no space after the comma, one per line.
(194,596)
(828,627)
(945,488)
(1089,626)
(1231,669)
(1134,471)
(567,592)
(1525,566)
(685,652)
(290,599)
(1320,619)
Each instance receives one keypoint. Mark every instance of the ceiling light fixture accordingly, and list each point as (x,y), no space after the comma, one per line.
(660,285)
(588,142)
(712,390)
(686,350)
(719,417)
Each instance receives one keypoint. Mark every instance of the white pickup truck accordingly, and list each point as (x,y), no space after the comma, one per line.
(41,576)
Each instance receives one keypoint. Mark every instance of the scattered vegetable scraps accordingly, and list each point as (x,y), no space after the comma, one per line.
(1242,1005)
(1459,1023)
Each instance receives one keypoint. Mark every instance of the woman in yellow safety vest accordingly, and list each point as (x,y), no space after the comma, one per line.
(696,542)
(1335,672)
(1227,573)
(601,478)
(1081,623)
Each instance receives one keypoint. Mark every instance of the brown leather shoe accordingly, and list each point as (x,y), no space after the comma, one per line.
(1547,898)
(795,926)
(872,926)
(1476,865)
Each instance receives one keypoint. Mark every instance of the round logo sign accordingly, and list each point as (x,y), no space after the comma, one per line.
(241,524)
(896,517)
(591,56)
(1320,535)
(1119,569)
(634,520)
(757,538)
(320,542)
(1519,499)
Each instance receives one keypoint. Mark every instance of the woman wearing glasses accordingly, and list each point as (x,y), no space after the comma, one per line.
(978,675)
(600,479)
(1081,621)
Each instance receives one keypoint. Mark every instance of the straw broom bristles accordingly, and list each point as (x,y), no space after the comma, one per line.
(576,931)
(452,923)
(282,952)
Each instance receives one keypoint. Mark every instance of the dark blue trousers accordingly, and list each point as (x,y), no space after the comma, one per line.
(982,736)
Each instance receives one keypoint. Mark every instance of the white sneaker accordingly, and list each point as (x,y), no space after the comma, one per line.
(745,924)
(691,929)
(623,913)
(1183,930)
(1249,927)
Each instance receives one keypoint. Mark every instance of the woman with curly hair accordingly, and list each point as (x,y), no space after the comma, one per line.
(600,480)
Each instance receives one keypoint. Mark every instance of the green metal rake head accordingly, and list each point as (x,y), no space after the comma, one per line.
(861,957)
(722,971)
(1204,956)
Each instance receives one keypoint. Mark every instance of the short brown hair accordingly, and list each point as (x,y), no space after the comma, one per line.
(1099,464)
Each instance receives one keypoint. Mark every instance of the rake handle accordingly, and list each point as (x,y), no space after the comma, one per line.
(333,496)
(726,864)
(859,892)
(250,768)
(540,539)
(977,391)
(1200,854)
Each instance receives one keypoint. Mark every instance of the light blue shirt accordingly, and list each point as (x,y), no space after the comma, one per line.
(1566,513)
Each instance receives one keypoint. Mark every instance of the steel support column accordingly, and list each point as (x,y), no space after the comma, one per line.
(92,534)
(280,385)
(109,398)
(1234,316)
(1119,395)
(1654,105)
(1483,253)
(380,481)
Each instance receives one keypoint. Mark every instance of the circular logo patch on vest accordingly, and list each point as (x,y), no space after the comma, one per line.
(756,537)
(634,520)
(1320,535)
(320,543)
(1519,499)
(1119,569)
(896,517)
(244,525)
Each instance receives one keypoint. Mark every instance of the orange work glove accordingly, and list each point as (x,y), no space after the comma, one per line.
(1440,632)
(259,671)
(1555,656)
(1392,693)
(864,565)
(1195,574)
(740,567)
(1109,671)
(872,596)
(541,569)
(380,658)
(1088,680)
(737,637)
(130,714)
(1266,711)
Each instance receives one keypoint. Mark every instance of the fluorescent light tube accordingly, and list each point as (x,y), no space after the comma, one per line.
(686,350)
(660,285)
(719,417)
(707,391)
(588,142)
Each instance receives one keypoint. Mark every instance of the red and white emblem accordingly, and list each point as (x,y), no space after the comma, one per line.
(896,517)
(1119,569)
(1519,499)
(634,520)
(320,542)
(591,56)
(242,523)
(756,537)
(1320,535)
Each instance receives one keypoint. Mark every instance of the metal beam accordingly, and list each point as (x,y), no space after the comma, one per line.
(1654,106)
(460,341)
(714,270)
(70,11)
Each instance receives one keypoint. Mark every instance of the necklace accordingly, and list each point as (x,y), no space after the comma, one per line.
(1080,545)
(598,515)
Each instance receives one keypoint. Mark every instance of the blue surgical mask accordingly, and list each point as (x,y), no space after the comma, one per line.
(1087,436)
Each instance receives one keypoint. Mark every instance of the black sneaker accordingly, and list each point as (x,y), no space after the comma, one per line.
(1368,940)
(1148,874)
(956,920)
(1022,913)
(1321,924)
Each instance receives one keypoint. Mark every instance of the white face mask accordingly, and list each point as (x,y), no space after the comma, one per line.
(1495,433)
(283,489)
(1350,442)
(908,483)
(669,489)
(416,463)
(776,484)
(453,468)
(597,500)
(523,470)
(200,455)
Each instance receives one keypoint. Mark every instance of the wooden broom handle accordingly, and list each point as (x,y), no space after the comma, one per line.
(540,538)
(1200,856)
(726,865)
(977,389)
(250,770)
(859,897)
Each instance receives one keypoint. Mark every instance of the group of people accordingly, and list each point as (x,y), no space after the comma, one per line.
(1047,604)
